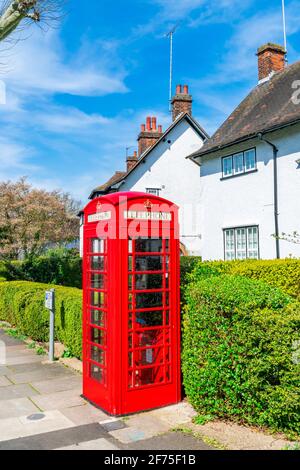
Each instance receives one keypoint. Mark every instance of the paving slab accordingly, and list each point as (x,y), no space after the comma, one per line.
(84,414)
(16,391)
(175,415)
(21,368)
(18,350)
(11,348)
(14,428)
(9,340)
(58,385)
(21,359)
(16,407)
(4,382)
(146,425)
(130,435)
(53,440)
(73,363)
(59,400)
(142,426)
(97,444)
(38,375)
(170,441)
(114,426)
(4,370)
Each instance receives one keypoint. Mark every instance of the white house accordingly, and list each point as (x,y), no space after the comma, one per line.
(250,169)
(161,167)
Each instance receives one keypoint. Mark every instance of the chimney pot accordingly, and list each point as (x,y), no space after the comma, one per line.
(271,59)
(143,127)
(131,161)
(181,102)
(149,135)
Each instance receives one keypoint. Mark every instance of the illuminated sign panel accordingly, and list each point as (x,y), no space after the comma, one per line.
(136,215)
(99,217)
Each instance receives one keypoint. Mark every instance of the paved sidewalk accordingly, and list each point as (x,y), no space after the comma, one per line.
(41,408)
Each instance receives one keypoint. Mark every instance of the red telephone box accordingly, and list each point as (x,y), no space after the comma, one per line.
(131,303)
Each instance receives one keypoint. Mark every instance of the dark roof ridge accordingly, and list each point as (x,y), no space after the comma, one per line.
(267,106)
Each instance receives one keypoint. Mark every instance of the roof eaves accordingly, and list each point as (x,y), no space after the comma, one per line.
(202,152)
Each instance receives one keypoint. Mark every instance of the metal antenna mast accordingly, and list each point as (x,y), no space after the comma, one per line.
(170,35)
(284,26)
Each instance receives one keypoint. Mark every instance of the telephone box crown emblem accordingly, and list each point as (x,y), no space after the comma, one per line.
(148,204)
(98,207)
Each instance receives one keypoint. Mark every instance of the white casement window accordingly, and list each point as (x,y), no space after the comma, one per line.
(239,163)
(241,243)
(252,242)
(250,160)
(227,166)
(153,191)
(229,245)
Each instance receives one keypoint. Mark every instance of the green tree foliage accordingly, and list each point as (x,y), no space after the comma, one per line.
(31,219)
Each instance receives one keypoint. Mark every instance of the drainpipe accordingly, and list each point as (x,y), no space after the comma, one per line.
(276,213)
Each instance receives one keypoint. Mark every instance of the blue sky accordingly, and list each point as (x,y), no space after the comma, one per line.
(76,95)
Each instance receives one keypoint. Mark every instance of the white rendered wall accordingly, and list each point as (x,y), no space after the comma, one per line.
(178,179)
(249,199)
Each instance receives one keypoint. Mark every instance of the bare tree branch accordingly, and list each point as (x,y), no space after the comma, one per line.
(17,13)
(291,237)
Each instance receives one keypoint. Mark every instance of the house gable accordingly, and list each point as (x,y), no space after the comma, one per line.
(120,178)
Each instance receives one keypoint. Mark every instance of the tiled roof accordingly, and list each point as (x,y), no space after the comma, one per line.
(268,106)
(118,176)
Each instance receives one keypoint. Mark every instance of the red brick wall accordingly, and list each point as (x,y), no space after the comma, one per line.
(270,59)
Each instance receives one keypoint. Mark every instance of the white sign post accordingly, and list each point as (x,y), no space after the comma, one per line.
(50,305)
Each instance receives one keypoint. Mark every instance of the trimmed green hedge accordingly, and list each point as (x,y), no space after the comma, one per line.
(187,265)
(60,267)
(238,358)
(22,305)
(3,271)
(284,274)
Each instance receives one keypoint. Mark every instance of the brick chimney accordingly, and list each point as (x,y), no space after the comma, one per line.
(131,161)
(181,102)
(271,59)
(149,135)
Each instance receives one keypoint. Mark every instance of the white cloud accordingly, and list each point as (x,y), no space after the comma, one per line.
(40,64)
(63,120)
(88,148)
(239,62)
(15,159)
(192,13)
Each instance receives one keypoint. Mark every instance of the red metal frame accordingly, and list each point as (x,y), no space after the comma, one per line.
(131,303)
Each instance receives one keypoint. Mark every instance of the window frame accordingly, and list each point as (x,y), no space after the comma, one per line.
(152,193)
(246,228)
(245,171)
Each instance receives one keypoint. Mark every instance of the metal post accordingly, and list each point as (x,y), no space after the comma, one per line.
(284,26)
(52,327)
(170,35)
(171,70)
